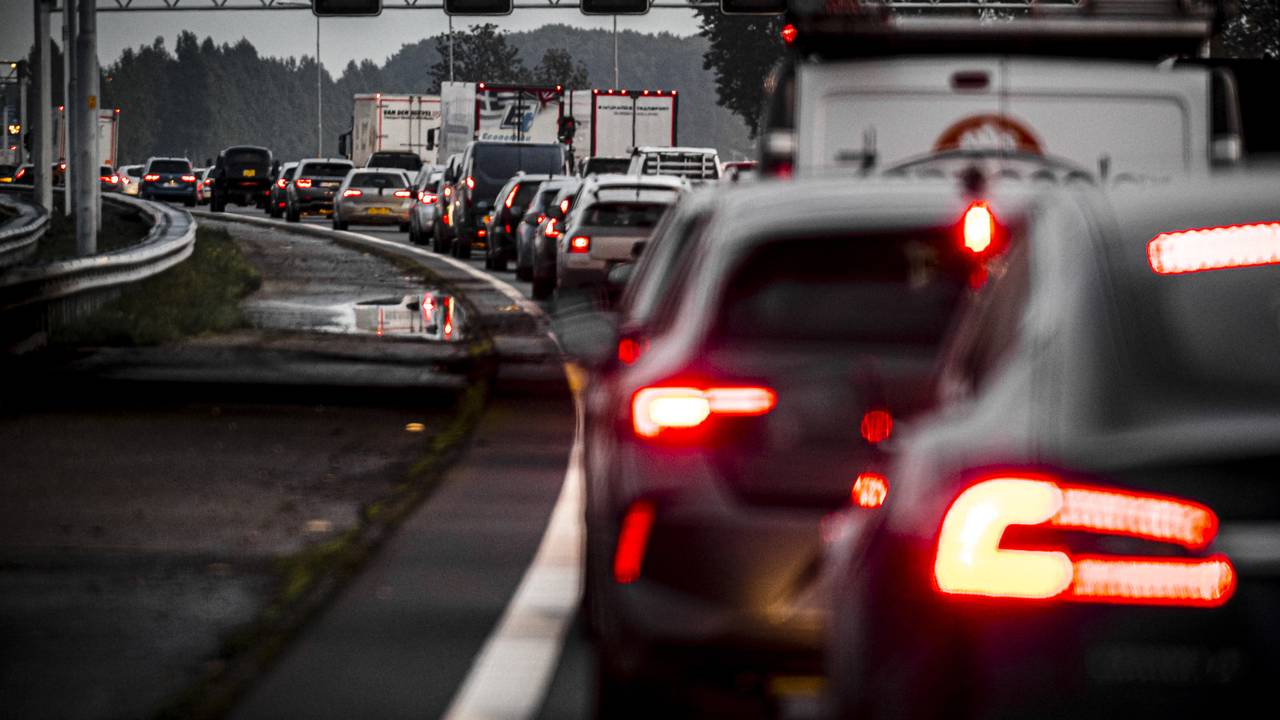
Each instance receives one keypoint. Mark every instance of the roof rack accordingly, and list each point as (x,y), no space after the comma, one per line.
(1111,28)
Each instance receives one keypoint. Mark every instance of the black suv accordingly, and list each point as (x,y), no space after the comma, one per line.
(314,182)
(242,176)
(485,168)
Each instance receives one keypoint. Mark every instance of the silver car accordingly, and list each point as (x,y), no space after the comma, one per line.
(373,196)
(424,206)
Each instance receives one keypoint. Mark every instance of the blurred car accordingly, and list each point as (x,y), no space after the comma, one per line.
(601,165)
(169,179)
(612,220)
(313,187)
(531,224)
(373,196)
(8,173)
(58,173)
(424,206)
(130,179)
(547,237)
(693,164)
(1087,526)
(241,176)
(505,221)
(23,174)
(442,232)
(204,186)
(108,179)
(791,323)
(739,170)
(485,167)
(276,203)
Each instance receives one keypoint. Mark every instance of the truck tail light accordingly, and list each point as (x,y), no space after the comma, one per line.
(352,192)
(656,409)
(151,177)
(511,197)
(979,228)
(402,194)
(633,540)
(304,183)
(1216,248)
(970,559)
(580,244)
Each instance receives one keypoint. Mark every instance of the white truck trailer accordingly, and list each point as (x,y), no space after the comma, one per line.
(612,123)
(404,123)
(515,113)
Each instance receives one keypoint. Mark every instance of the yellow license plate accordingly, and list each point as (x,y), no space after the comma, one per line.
(326,211)
(249,173)
(379,211)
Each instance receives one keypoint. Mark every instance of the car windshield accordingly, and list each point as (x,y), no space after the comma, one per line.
(636,215)
(329,170)
(495,164)
(379,180)
(869,289)
(170,166)
(404,161)
(247,157)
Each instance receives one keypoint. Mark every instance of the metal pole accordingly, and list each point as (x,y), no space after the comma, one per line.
(615,53)
(319,100)
(68,142)
(86,158)
(41,103)
(450,48)
(23,115)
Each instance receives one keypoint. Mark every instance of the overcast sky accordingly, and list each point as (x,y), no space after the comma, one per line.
(284,33)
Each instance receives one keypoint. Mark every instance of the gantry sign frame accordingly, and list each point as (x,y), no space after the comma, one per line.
(112,6)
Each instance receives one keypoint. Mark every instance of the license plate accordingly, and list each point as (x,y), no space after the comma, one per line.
(172,183)
(379,211)
(326,211)
(249,173)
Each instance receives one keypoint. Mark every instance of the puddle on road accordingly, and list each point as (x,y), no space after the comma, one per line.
(431,315)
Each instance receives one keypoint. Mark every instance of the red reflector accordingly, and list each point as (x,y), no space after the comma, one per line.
(402,194)
(876,426)
(870,490)
(789,33)
(971,561)
(352,192)
(1217,248)
(304,183)
(580,244)
(655,409)
(633,539)
(979,227)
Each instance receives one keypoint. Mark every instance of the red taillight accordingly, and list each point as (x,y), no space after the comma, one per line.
(550,230)
(580,244)
(207,181)
(789,33)
(402,194)
(655,409)
(448,221)
(971,561)
(870,489)
(151,177)
(564,206)
(188,178)
(633,539)
(304,183)
(281,183)
(108,179)
(352,192)
(471,183)
(541,218)
(511,197)
(979,228)
(21,172)
(427,198)
(1217,248)
(448,191)
(482,233)
(876,426)
(280,204)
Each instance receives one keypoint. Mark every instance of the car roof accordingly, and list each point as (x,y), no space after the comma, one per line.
(602,182)
(325,160)
(246,147)
(367,170)
(675,149)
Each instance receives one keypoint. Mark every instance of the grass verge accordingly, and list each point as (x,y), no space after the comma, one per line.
(121,227)
(198,296)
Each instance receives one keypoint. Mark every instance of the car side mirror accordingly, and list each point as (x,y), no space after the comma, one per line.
(590,338)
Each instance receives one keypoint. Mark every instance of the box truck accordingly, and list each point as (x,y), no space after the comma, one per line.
(394,123)
(611,123)
(108,135)
(513,113)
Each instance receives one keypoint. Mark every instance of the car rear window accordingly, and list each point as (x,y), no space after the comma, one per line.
(379,180)
(635,215)
(545,196)
(404,161)
(328,169)
(524,192)
(288,172)
(133,171)
(494,165)
(170,166)
(105,170)
(876,289)
(607,166)
(247,157)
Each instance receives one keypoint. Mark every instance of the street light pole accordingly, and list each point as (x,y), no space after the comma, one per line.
(319,97)
(615,53)
(68,142)
(42,103)
(450,48)
(86,188)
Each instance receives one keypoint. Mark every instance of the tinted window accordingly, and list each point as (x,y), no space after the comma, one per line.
(607,166)
(404,161)
(524,192)
(170,166)
(288,172)
(638,215)
(248,157)
(105,170)
(545,197)
(493,165)
(327,169)
(891,289)
(379,180)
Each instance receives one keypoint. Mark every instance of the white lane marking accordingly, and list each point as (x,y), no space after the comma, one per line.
(510,676)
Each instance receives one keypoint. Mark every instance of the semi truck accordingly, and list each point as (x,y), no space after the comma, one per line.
(612,122)
(108,135)
(393,123)
(512,113)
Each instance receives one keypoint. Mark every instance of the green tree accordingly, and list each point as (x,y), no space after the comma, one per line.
(1255,33)
(557,67)
(742,51)
(482,55)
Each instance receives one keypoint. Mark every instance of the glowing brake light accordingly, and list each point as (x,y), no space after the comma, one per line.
(551,231)
(352,192)
(282,183)
(633,539)
(402,194)
(1217,248)
(511,197)
(448,191)
(564,206)
(151,177)
(188,178)
(979,227)
(789,33)
(876,426)
(870,490)
(654,409)
(971,561)
(427,198)
(471,183)
(304,183)
(580,244)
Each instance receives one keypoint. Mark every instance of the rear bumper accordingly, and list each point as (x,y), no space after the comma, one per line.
(368,216)
(160,191)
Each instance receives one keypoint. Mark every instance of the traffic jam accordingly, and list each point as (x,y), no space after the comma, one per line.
(960,400)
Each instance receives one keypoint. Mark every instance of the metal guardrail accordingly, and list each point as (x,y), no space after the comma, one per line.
(35,297)
(18,236)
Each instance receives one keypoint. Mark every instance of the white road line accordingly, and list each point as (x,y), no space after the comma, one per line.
(510,676)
